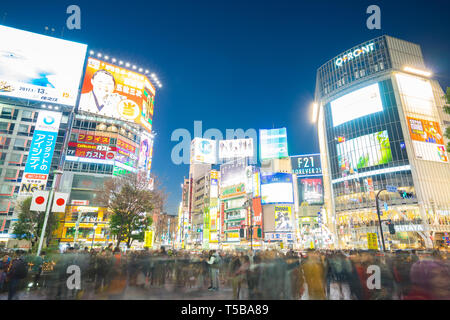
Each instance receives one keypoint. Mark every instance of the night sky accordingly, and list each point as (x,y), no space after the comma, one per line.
(237,63)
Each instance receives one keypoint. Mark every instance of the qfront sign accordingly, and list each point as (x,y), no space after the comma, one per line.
(354,54)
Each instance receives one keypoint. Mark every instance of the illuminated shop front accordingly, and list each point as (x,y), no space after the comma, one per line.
(379,127)
(79,223)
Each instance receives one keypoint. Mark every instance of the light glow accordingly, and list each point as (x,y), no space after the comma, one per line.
(418,71)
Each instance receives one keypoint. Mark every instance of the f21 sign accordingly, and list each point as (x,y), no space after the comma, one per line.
(306,165)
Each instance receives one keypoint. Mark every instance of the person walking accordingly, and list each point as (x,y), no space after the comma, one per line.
(214,261)
(18,271)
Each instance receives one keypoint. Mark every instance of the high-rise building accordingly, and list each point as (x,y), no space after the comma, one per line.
(38,91)
(380,126)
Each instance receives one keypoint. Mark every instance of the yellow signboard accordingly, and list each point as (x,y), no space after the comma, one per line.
(148,239)
(372,241)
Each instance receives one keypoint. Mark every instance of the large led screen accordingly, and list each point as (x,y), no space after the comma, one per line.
(38,67)
(365,151)
(235,148)
(273,144)
(276,188)
(356,104)
(117,92)
(310,190)
(416,93)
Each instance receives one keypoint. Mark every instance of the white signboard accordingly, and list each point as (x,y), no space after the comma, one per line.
(203,151)
(236,148)
(38,67)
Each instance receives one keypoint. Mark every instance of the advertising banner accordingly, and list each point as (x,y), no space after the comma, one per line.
(90,138)
(233,173)
(365,151)
(310,190)
(372,241)
(428,140)
(148,239)
(257,216)
(356,104)
(117,92)
(276,188)
(430,151)
(145,153)
(40,155)
(273,144)
(425,131)
(283,218)
(235,148)
(306,165)
(203,151)
(38,67)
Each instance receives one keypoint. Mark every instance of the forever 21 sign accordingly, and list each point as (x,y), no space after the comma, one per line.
(306,165)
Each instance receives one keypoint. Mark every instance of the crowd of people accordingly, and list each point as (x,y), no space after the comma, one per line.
(260,275)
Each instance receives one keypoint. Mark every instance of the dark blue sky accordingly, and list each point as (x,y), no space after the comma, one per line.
(237,63)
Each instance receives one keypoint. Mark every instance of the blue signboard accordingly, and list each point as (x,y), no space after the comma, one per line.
(41,152)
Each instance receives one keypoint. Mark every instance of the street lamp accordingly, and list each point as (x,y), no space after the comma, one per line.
(379,218)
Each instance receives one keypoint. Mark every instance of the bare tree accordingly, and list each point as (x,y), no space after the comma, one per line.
(131,203)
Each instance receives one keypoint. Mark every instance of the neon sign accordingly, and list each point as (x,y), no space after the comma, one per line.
(357,52)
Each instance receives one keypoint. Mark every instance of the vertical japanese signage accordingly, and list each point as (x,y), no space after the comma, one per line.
(372,242)
(40,155)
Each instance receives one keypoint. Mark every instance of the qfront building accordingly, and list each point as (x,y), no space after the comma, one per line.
(380,124)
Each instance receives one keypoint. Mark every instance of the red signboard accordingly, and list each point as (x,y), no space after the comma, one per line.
(94,154)
(93,139)
(257,216)
(126,146)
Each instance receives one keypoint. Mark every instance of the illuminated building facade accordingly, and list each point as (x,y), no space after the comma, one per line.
(380,124)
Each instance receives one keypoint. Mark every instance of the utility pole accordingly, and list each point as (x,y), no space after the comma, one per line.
(56,173)
(379,218)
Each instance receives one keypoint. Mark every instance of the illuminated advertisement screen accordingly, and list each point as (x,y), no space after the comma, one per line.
(203,151)
(117,92)
(40,155)
(425,131)
(310,190)
(356,104)
(232,173)
(416,93)
(273,144)
(365,151)
(276,188)
(145,153)
(235,148)
(38,67)
(283,220)
(306,165)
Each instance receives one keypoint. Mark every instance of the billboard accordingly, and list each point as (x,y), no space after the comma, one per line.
(232,173)
(38,67)
(356,104)
(276,188)
(203,151)
(283,220)
(416,94)
(310,190)
(117,92)
(235,148)
(306,165)
(425,131)
(428,140)
(40,155)
(273,144)
(145,153)
(365,151)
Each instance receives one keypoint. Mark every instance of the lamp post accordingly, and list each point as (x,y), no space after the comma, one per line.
(56,173)
(379,218)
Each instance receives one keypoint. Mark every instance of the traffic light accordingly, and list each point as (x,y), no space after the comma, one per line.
(259,233)
(406,195)
(391,227)
(241,233)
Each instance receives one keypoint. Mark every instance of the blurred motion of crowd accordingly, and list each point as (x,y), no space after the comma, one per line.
(261,275)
